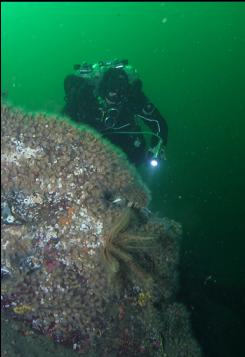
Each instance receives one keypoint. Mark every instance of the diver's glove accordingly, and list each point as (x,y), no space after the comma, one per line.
(156,154)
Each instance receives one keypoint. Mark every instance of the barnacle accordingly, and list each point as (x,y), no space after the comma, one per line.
(122,244)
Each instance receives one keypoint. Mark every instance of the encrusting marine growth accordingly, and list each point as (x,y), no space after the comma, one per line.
(83,260)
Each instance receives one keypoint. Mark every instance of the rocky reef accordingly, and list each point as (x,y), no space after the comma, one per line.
(84,262)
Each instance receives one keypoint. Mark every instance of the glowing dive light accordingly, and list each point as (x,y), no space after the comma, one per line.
(154,163)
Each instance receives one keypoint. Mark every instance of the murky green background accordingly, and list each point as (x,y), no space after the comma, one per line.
(191,58)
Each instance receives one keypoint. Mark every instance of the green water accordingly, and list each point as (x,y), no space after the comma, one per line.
(191,58)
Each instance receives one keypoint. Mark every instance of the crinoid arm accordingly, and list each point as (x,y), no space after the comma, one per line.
(129,263)
(138,242)
(113,264)
(120,226)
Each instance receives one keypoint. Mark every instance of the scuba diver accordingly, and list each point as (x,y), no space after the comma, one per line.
(108,96)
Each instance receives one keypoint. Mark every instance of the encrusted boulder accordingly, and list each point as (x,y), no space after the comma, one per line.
(83,260)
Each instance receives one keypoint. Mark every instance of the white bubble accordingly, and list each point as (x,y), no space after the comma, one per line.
(164,20)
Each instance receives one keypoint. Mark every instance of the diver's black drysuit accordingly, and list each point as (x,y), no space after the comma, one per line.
(114,106)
